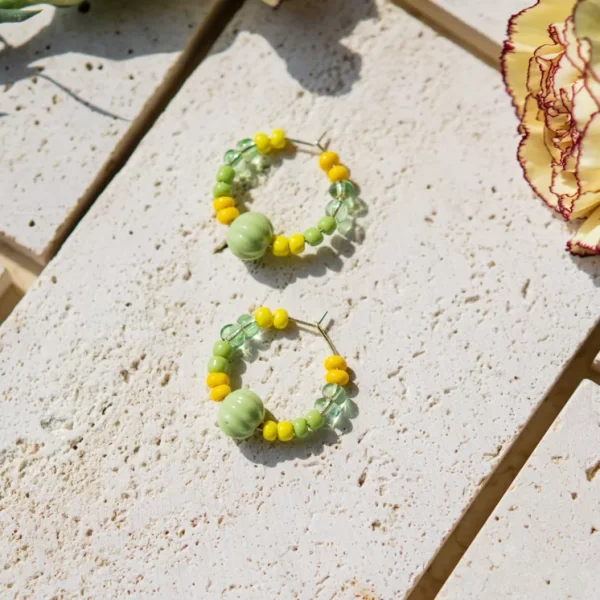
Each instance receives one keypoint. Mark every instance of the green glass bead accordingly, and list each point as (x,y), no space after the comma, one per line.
(249,326)
(240,414)
(338,210)
(343,190)
(221,189)
(260,162)
(248,149)
(245,143)
(313,236)
(314,419)
(327,225)
(330,412)
(233,335)
(232,157)
(245,173)
(346,226)
(226,174)
(217,364)
(300,427)
(250,235)
(335,392)
(222,348)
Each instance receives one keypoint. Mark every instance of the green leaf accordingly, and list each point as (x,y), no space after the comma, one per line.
(9,15)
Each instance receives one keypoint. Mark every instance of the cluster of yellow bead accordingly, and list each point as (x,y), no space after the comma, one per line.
(282,431)
(266,319)
(337,370)
(264,143)
(330,162)
(226,211)
(219,385)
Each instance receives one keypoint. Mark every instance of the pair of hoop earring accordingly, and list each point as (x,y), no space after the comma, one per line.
(251,234)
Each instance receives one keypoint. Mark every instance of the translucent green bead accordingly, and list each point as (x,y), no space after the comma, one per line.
(233,335)
(335,392)
(245,173)
(332,413)
(249,326)
(343,190)
(346,226)
(260,162)
(338,210)
(221,189)
(300,427)
(313,236)
(327,225)
(226,174)
(248,149)
(232,157)
(314,418)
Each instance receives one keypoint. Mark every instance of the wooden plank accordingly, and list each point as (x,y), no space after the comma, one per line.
(449,312)
(542,541)
(72,83)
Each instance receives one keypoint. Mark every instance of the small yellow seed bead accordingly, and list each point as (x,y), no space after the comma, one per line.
(270,431)
(285,431)
(263,143)
(281,246)
(280,318)
(223,202)
(220,392)
(215,379)
(278,140)
(264,317)
(338,173)
(228,215)
(337,376)
(328,160)
(335,362)
(297,243)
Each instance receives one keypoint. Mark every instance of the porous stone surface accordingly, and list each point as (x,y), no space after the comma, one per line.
(543,539)
(447,306)
(70,85)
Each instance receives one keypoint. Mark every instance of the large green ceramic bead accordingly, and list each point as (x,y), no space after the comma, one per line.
(249,235)
(240,414)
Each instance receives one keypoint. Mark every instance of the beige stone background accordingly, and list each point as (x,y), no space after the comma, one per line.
(470,471)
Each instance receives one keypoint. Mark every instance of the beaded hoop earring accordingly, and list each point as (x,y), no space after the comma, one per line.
(242,413)
(251,233)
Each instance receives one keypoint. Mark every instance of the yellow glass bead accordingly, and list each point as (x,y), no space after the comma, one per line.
(338,173)
(263,143)
(270,431)
(285,431)
(215,379)
(296,243)
(264,317)
(335,362)
(220,392)
(280,318)
(281,246)
(228,215)
(278,140)
(223,202)
(337,376)
(328,160)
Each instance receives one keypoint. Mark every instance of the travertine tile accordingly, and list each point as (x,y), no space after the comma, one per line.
(70,84)
(542,541)
(450,312)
